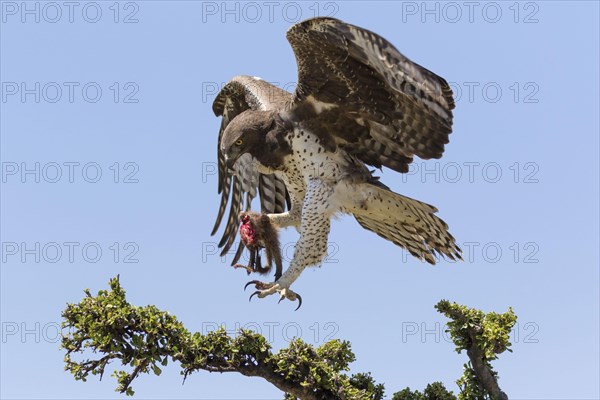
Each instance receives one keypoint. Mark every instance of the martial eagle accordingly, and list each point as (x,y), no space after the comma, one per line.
(358,102)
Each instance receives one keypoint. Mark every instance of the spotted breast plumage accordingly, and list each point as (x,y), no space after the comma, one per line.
(358,102)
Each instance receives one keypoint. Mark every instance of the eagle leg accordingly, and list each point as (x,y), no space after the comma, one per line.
(266,289)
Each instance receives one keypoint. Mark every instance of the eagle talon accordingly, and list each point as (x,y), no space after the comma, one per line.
(290,295)
(299,301)
(259,285)
(258,292)
(266,289)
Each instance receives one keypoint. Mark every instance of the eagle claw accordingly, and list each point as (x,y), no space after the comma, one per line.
(254,294)
(288,294)
(266,289)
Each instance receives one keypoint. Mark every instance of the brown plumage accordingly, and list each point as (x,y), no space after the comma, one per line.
(355,91)
(359,102)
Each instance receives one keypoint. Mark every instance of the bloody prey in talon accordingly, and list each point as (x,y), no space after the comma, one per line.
(257,232)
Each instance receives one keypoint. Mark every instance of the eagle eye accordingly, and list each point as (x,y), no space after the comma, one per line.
(239,142)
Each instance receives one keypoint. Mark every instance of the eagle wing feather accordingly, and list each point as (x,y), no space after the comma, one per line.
(240,94)
(394,108)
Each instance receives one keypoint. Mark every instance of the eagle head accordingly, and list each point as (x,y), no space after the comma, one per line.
(254,132)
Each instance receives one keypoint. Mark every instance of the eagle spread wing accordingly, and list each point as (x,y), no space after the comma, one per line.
(358,92)
(238,95)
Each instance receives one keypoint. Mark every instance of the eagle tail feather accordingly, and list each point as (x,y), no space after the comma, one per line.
(408,223)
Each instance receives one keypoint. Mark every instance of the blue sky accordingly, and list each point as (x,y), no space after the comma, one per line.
(108,167)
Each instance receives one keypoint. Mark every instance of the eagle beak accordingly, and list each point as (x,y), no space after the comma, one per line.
(230,162)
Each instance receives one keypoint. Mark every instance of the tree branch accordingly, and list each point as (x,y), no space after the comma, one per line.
(145,338)
(483,336)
